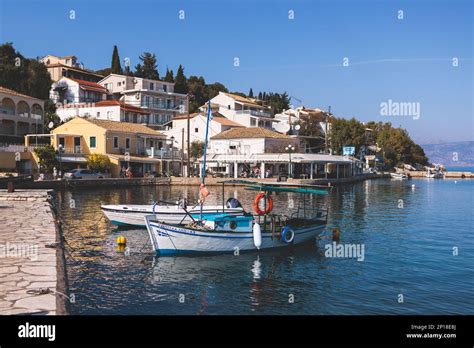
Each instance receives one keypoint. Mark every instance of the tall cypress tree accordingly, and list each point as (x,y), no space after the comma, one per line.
(180,85)
(116,67)
(251,93)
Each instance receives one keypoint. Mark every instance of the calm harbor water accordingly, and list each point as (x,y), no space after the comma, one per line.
(408,248)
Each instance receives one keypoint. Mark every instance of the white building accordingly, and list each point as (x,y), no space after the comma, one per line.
(197,127)
(246,111)
(289,119)
(72,91)
(157,97)
(112,110)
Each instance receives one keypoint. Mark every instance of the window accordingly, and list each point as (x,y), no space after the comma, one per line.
(253,122)
(98,114)
(147,100)
(119,84)
(127,143)
(228,107)
(196,130)
(152,86)
(164,88)
(62,142)
(109,115)
(92,142)
(116,142)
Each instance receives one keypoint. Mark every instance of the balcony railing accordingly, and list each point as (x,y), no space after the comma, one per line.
(253,113)
(72,150)
(163,153)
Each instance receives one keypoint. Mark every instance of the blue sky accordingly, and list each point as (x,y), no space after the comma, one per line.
(408,60)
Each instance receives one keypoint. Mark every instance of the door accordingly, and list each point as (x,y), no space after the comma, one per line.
(77,144)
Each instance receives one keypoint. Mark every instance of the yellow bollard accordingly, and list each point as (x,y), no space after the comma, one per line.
(121,240)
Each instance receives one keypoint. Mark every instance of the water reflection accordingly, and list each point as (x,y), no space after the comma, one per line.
(407,250)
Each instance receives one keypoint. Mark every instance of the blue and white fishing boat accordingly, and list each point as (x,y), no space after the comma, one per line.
(221,232)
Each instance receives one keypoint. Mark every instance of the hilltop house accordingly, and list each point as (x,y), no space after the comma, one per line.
(245,111)
(156,97)
(67,66)
(126,144)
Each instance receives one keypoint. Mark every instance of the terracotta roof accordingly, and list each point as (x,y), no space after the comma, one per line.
(124,106)
(15,93)
(254,132)
(241,99)
(124,127)
(215,117)
(88,84)
(226,122)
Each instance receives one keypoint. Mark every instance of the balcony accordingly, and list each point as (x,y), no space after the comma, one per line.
(162,154)
(253,113)
(72,150)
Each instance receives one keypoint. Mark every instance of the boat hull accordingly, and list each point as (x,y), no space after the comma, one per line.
(134,215)
(172,240)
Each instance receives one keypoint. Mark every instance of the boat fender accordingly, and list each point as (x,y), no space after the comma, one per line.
(258,198)
(287,235)
(257,235)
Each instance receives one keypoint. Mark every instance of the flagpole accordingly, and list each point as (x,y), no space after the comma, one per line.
(203,171)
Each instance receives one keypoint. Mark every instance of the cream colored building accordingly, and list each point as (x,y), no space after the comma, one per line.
(20,114)
(126,144)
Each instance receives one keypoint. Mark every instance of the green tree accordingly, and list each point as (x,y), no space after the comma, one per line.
(50,115)
(46,158)
(147,68)
(98,162)
(169,77)
(197,150)
(116,67)
(180,85)
(251,93)
(27,76)
(346,133)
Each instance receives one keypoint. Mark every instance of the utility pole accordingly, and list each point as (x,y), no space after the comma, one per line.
(182,152)
(188,135)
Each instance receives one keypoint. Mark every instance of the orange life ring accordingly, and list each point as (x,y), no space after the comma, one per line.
(258,198)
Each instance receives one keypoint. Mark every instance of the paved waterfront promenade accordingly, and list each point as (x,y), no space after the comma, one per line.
(28,258)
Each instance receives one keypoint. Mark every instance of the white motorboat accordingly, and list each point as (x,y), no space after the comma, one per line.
(434,174)
(134,215)
(399,176)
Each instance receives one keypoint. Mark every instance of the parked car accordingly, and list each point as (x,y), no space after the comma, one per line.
(83,174)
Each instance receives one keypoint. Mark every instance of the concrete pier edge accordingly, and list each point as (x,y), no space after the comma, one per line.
(63,303)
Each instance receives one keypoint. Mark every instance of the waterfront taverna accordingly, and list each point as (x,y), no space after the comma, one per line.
(260,152)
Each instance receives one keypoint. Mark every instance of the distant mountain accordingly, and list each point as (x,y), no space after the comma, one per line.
(456,154)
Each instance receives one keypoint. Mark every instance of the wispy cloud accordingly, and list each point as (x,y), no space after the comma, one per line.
(394,60)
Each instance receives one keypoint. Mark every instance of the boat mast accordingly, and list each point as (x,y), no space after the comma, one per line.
(203,171)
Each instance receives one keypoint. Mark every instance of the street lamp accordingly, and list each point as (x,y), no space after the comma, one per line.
(289,149)
(60,148)
(172,144)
